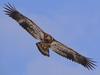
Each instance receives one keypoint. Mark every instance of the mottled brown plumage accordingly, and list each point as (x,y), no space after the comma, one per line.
(47,41)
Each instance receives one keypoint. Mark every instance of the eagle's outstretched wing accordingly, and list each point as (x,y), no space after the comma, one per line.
(46,40)
(70,54)
(25,22)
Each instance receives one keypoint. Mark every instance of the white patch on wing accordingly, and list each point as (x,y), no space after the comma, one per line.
(21,21)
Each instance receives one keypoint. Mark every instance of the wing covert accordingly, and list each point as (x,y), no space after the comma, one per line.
(70,54)
(25,22)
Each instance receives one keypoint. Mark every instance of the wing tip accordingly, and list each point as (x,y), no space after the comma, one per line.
(9,8)
(90,64)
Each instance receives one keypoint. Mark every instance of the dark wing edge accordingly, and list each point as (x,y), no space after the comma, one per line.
(9,8)
(25,22)
(72,55)
(11,11)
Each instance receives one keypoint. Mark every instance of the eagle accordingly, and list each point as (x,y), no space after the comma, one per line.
(46,41)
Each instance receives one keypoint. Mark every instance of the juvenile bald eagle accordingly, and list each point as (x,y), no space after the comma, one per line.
(46,41)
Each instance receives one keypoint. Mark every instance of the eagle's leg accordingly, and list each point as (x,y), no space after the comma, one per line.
(43,48)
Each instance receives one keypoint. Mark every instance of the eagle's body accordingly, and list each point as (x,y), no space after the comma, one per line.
(46,41)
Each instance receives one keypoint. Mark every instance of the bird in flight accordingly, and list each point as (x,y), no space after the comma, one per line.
(46,41)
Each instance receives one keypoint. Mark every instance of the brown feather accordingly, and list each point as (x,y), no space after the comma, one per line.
(24,22)
(46,40)
(70,54)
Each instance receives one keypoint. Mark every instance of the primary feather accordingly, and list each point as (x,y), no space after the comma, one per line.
(70,54)
(47,41)
(25,22)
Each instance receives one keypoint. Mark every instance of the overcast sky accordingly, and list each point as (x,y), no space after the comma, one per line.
(75,23)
